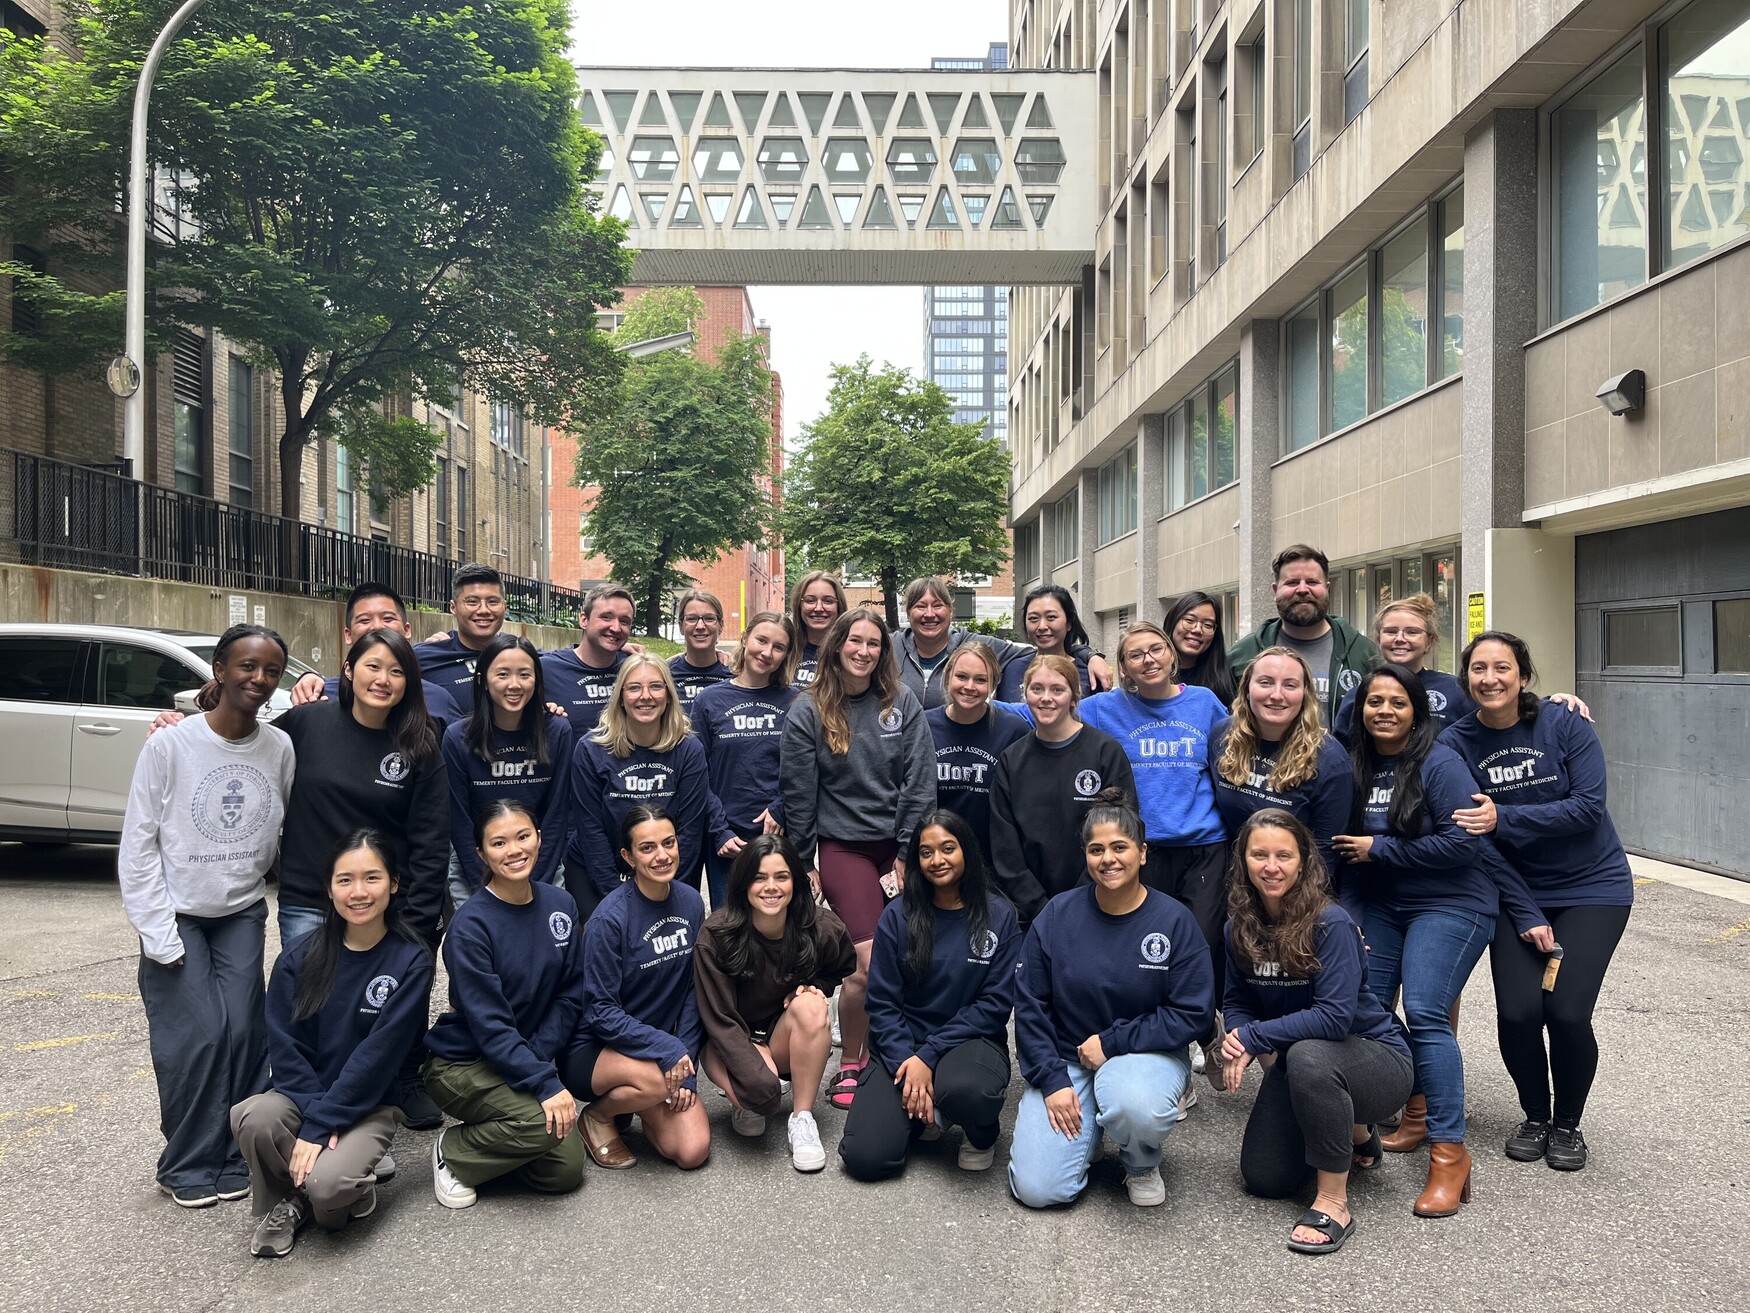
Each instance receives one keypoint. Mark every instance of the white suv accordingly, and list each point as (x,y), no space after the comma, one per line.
(75,704)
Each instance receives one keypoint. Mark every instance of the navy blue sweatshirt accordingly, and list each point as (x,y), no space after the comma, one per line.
(1447,702)
(513,773)
(1546,777)
(449,663)
(1272,1011)
(439,705)
(605,787)
(1322,803)
(966,763)
(1439,866)
(742,732)
(353,778)
(1142,982)
(638,976)
(1014,681)
(692,680)
(342,1062)
(582,690)
(1040,794)
(516,987)
(807,666)
(967,993)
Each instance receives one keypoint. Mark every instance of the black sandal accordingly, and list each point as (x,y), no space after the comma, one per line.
(1334,1231)
(1368,1148)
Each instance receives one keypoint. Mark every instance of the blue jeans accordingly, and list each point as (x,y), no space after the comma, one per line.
(1431,954)
(1133,1098)
(296,922)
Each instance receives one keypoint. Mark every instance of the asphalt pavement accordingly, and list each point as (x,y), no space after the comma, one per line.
(1659,1221)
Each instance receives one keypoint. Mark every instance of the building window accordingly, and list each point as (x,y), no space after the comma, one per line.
(1302,352)
(1598,151)
(1066,528)
(1732,636)
(344,473)
(1347,376)
(189,389)
(1449,231)
(14,19)
(242,409)
(1200,445)
(441,507)
(1303,85)
(1222,181)
(1258,64)
(1027,552)
(1118,496)
(1358,592)
(1355,59)
(1403,315)
(1644,639)
(1704,72)
(463,510)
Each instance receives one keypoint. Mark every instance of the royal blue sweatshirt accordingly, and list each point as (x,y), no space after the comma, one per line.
(693,680)
(516,987)
(1272,1011)
(582,690)
(342,1062)
(512,773)
(1447,702)
(638,976)
(1142,982)
(1322,803)
(439,705)
(449,663)
(1167,741)
(605,787)
(1439,867)
(966,763)
(1546,777)
(742,732)
(967,993)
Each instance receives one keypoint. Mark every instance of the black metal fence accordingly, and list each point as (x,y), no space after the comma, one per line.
(76,517)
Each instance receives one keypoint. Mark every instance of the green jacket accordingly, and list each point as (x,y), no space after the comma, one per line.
(1353,654)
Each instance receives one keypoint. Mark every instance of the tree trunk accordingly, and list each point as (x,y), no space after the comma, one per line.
(890,595)
(653,599)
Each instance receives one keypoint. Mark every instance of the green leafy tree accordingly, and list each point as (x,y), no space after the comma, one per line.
(888,481)
(679,458)
(378,199)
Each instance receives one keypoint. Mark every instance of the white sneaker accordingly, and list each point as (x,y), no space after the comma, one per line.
(1198,1061)
(450,1192)
(1146,1190)
(806,1154)
(743,1122)
(976,1160)
(934,1131)
(1187,1101)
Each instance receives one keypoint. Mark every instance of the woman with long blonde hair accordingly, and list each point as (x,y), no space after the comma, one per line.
(1273,752)
(642,750)
(858,773)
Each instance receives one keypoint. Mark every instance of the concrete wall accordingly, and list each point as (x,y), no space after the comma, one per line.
(1198,546)
(311,626)
(1115,574)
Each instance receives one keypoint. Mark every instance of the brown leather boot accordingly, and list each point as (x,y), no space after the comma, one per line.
(1448,1181)
(1412,1128)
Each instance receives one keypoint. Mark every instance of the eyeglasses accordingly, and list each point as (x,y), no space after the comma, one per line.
(1408,631)
(1206,626)
(481,603)
(700,620)
(1158,651)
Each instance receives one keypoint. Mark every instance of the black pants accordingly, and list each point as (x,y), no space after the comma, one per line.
(1195,874)
(971,1083)
(1309,1100)
(1588,936)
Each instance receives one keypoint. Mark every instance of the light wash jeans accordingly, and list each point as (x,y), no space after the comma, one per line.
(1133,1098)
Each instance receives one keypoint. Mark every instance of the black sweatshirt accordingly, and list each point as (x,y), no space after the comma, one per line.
(1041,792)
(352,778)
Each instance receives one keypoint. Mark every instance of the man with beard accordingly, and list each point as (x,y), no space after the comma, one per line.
(1338,654)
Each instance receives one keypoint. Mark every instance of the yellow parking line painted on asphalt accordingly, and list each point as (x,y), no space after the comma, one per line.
(53,1112)
(47,1110)
(1645,879)
(66,1041)
(1731,933)
(114,998)
(35,993)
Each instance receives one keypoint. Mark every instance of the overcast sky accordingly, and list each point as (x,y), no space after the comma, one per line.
(813,328)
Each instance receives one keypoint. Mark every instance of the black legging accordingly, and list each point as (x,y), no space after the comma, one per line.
(1588,936)
(1310,1099)
(971,1082)
(1196,874)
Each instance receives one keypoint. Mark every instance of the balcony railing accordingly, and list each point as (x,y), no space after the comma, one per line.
(77,517)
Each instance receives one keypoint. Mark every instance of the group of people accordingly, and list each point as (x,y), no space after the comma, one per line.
(1183,873)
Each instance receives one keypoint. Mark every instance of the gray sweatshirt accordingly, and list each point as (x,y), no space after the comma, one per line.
(202,828)
(880,789)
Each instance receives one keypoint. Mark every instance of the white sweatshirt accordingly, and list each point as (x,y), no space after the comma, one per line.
(202,828)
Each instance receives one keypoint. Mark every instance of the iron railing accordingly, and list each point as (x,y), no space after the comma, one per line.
(77,517)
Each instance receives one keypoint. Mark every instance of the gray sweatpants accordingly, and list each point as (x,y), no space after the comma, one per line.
(266,1127)
(206,1023)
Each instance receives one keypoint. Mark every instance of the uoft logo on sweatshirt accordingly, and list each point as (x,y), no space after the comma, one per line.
(230,804)
(377,992)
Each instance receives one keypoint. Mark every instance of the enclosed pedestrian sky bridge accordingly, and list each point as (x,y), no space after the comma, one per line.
(756,176)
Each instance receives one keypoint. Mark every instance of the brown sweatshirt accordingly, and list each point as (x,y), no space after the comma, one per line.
(732,1009)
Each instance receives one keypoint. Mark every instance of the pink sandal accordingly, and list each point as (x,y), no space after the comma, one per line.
(844,1087)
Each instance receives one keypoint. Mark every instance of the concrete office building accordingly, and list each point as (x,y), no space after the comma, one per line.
(1359,270)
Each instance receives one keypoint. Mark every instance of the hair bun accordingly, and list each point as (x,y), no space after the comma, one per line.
(1112,796)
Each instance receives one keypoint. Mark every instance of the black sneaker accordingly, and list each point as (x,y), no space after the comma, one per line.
(417,1106)
(1567,1149)
(1527,1144)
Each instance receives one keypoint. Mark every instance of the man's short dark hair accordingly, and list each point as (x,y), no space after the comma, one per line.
(601,593)
(365,590)
(1299,552)
(474,573)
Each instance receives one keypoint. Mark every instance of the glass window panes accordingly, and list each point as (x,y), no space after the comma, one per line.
(242,412)
(1066,529)
(1732,636)
(1303,378)
(1355,31)
(1118,496)
(1177,457)
(38,669)
(1598,157)
(653,159)
(1443,587)
(1222,458)
(1703,71)
(1197,475)
(848,159)
(139,677)
(911,159)
(1403,315)
(1303,60)
(189,476)
(1644,637)
(1039,160)
(976,160)
(717,159)
(782,159)
(1451,230)
(1348,351)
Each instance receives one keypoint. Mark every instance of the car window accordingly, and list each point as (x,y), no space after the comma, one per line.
(140,677)
(38,669)
(294,671)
